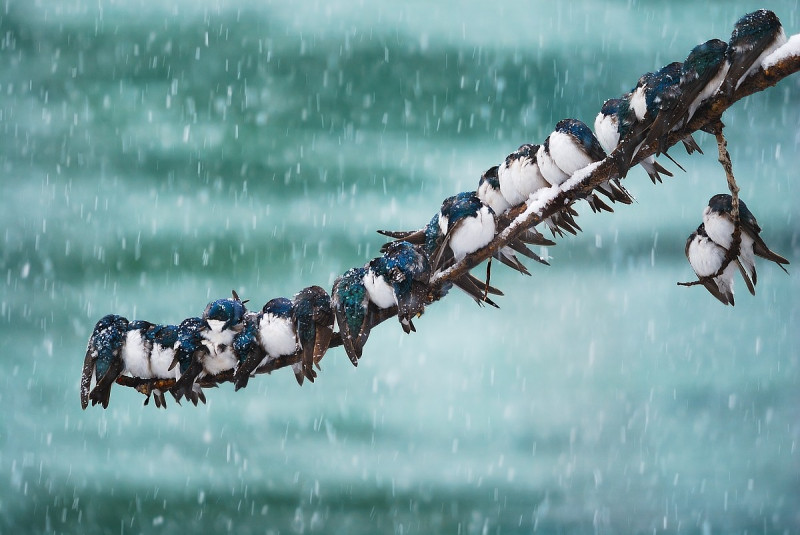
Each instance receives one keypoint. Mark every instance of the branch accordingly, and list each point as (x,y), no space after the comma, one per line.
(550,201)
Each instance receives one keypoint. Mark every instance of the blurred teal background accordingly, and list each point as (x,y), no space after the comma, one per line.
(157,155)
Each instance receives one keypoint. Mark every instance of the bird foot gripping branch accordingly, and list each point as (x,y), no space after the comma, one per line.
(535,184)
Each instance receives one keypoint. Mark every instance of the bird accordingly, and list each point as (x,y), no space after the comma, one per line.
(613,123)
(754,37)
(653,91)
(489,191)
(516,179)
(277,338)
(354,310)
(719,226)
(707,259)
(405,270)
(431,238)
(702,74)
(222,320)
(187,359)
(137,349)
(571,147)
(313,318)
(159,344)
(103,359)
(519,175)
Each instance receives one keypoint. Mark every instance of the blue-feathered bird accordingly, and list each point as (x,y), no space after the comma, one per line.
(702,74)
(314,319)
(355,312)
(719,226)
(222,320)
(188,358)
(613,123)
(103,359)
(432,240)
(754,37)
(403,270)
(276,338)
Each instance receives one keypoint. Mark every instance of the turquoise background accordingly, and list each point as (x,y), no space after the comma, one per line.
(155,156)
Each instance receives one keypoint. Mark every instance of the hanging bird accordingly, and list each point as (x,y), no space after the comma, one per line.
(275,338)
(103,359)
(314,319)
(702,74)
(355,312)
(719,226)
(707,259)
(612,123)
(755,36)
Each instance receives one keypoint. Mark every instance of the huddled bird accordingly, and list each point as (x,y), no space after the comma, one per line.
(355,312)
(436,240)
(314,320)
(188,347)
(571,147)
(613,123)
(701,75)
(707,259)
(719,226)
(407,270)
(275,337)
(223,320)
(103,359)
(516,179)
(754,37)
(653,92)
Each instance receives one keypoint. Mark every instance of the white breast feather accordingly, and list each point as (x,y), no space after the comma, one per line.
(472,233)
(379,291)
(134,355)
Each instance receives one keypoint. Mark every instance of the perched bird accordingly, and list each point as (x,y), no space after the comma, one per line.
(463,225)
(355,312)
(161,340)
(571,147)
(223,319)
(614,122)
(466,223)
(516,179)
(137,349)
(103,359)
(719,226)
(707,260)
(405,270)
(187,359)
(519,175)
(702,74)
(276,337)
(653,92)
(754,37)
(314,319)
(489,191)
